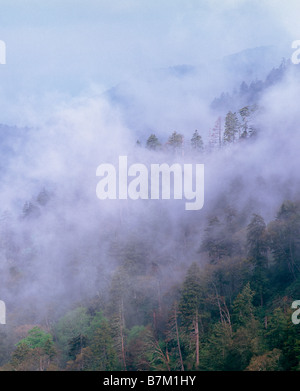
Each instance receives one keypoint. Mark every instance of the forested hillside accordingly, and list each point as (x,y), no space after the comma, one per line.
(147,287)
(234,313)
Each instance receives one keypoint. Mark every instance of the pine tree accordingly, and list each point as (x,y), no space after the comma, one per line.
(257,238)
(104,355)
(189,307)
(144,352)
(243,308)
(70,326)
(216,349)
(173,337)
(257,243)
(285,241)
(175,142)
(120,288)
(119,333)
(43,197)
(218,240)
(231,128)
(76,344)
(197,142)
(152,143)
(269,361)
(247,334)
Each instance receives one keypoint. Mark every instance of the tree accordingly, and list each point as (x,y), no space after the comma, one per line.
(231,128)
(244,88)
(141,348)
(285,242)
(246,337)
(257,246)
(283,335)
(247,126)
(173,337)
(30,210)
(216,349)
(218,240)
(6,346)
(269,361)
(84,361)
(243,308)
(104,356)
(94,351)
(276,333)
(20,358)
(76,344)
(35,351)
(118,293)
(189,306)
(152,143)
(72,326)
(175,142)
(197,142)
(43,197)
(257,238)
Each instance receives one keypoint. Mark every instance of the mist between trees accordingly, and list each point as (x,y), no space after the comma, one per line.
(92,284)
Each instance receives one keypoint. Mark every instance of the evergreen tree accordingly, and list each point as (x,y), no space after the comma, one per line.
(175,142)
(35,351)
(197,142)
(74,324)
(141,349)
(269,361)
(218,239)
(257,239)
(247,333)
(189,306)
(152,143)
(43,197)
(231,128)
(243,308)
(247,127)
(104,356)
(76,344)
(245,114)
(257,243)
(173,338)
(284,235)
(119,291)
(282,334)
(217,348)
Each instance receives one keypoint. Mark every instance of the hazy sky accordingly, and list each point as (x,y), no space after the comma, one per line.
(64,53)
(67,46)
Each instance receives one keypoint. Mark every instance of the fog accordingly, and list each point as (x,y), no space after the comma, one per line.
(60,244)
